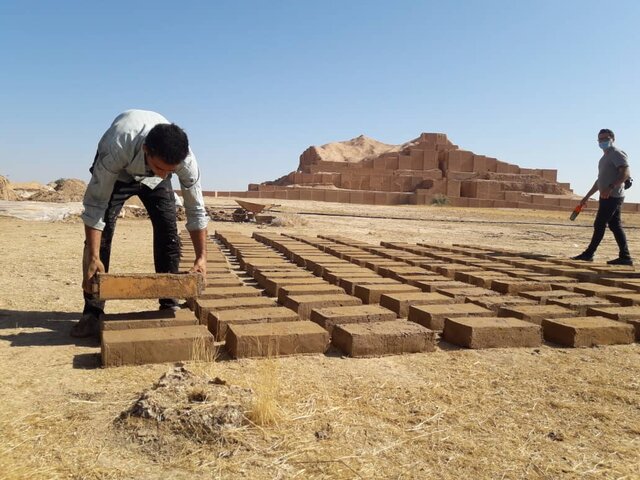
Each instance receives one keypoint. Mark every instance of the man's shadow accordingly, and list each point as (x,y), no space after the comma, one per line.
(53,328)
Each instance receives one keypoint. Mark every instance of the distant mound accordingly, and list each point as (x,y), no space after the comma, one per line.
(64,190)
(348,151)
(6,190)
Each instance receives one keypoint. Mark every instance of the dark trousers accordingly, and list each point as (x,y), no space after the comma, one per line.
(609,212)
(161,207)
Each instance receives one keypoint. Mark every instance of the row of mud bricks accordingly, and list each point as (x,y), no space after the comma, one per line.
(298,295)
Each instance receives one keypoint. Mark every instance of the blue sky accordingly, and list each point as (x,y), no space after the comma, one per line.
(254,83)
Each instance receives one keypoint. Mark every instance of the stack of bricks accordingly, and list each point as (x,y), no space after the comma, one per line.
(426,170)
(154,336)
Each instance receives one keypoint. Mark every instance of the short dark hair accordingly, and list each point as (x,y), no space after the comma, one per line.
(169,142)
(606,131)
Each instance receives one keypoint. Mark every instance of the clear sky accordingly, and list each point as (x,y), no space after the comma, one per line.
(254,83)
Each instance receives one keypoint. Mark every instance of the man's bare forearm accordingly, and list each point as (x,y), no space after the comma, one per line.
(199,240)
(92,241)
(590,193)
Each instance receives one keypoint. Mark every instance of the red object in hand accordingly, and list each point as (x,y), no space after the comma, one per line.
(576,212)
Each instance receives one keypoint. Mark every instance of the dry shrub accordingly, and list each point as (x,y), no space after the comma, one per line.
(288,220)
(264,409)
(6,191)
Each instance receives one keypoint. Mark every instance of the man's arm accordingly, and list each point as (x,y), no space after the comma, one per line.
(199,240)
(590,193)
(197,217)
(91,263)
(96,200)
(623,174)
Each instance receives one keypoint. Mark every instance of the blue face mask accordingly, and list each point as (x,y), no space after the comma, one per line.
(604,145)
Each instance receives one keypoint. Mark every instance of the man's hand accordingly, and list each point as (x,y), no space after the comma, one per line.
(90,266)
(200,266)
(91,263)
(605,193)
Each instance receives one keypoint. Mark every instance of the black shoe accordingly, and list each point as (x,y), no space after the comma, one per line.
(88,326)
(621,261)
(583,257)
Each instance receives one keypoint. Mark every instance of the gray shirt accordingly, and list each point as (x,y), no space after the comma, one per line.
(121,158)
(608,173)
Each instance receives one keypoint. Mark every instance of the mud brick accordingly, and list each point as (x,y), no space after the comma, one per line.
(451,269)
(587,331)
(349,283)
(148,319)
(629,315)
(396,272)
(335,277)
(219,320)
(282,266)
(303,304)
(263,275)
(432,316)
(372,293)
(417,159)
(110,286)
(495,303)
(223,282)
(625,299)
(229,292)
(620,282)
(535,313)
(434,285)
(378,264)
(543,297)
(400,302)
(427,277)
(554,280)
(272,287)
(480,278)
(153,345)
(580,304)
(276,339)
(320,289)
(203,307)
(517,286)
(459,294)
(597,290)
(491,332)
(328,318)
(382,338)
(582,274)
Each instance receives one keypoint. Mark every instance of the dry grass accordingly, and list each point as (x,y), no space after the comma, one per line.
(506,413)
(264,410)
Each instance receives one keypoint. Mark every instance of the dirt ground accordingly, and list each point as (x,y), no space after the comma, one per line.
(504,413)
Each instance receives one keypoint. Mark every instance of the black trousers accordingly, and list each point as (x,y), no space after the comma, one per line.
(161,207)
(609,214)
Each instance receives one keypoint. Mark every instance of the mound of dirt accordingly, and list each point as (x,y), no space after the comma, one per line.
(64,190)
(348,151)
(184,404)
(6,190)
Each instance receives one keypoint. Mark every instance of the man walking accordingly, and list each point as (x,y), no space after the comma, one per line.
(137,156)
(613,171)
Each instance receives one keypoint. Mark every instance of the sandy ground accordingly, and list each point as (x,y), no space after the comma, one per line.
(504,413)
